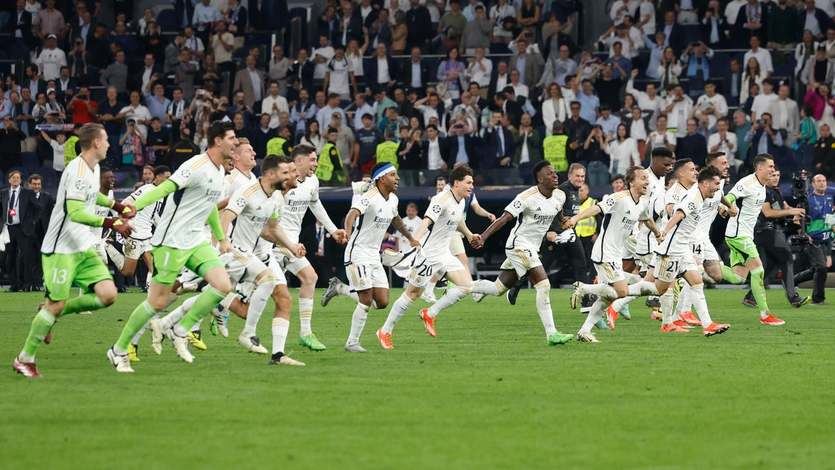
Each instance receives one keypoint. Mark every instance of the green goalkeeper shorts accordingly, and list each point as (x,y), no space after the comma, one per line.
(169,262)
(742,250)
(62,271)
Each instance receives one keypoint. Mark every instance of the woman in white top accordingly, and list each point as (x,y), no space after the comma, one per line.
(669,69)
(554,108)
(752,74)
(623,152)
(498,13)
(313,138)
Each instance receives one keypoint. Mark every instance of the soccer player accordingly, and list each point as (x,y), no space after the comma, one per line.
(675,252)
(534,209)
(443,217)
(621,212)
(745,201)
(179,242)
(366,225)
(297,201)
(67,251)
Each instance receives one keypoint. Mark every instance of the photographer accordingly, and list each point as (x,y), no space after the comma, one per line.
(770,237)
(819,230)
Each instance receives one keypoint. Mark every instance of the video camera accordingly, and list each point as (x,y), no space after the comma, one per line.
(800,191)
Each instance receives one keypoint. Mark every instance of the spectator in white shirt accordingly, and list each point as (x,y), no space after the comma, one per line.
(646,18)
(555,108)
(679,108)
(274,104)
(649,101)
(193,42)
(763,56)
(519,88)
(763,101)
(558,68)
(785,112)
(51,59)
(480,69)
(710,107)
(622,8)
(434,158)
(608,122)
(661,136)
(204,15)
(723,141)
(339,76)
(623,151)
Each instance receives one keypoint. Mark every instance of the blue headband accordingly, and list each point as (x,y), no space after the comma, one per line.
(382,171)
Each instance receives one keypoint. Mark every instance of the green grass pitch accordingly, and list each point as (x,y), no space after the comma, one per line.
(487,393)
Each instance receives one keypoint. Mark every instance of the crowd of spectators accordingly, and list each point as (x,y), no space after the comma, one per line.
(511,86)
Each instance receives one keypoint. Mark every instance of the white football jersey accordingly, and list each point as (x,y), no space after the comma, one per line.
(534,213)
(297,200)
(199,187)
(79,182)
(143,224)
(236,180)
(376,214)
(102,211)
(709,210)
(680,238)
(621,212)
(645,241)
(253,208)
(673,196)
(446,213)
(750,197)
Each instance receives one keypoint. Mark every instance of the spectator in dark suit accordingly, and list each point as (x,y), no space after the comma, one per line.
(39,206)
(237,17)
(750,21)
(33,81)
(14,208)
(301,71)
(672,32)
(419,23)
(505,102)
(498,142)
(765,139)
(577,129)
(415,73)
(380,70)
(20,29)
(184,11)
(349,25)
(461,147)
(693,145)
(10,138)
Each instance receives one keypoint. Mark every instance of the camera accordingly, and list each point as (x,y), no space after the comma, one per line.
(131,122)
(800,189)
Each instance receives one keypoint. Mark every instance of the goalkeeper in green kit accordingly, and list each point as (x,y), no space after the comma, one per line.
(193,192)
(68,254)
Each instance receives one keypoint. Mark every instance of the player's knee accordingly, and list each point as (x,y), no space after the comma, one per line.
(266,278)
(621,290)
(465,288)
(107,295)
(544,284)
(380,304)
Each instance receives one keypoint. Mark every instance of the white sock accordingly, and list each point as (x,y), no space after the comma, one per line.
(178,313)
(305,315)
(483,286)
(344,289)
(196,327)
(543,306)
(138,336)
(618,304)
(148,280)
(697,295)
(227,301)
(667,314)
(632,278)
(641,288)
(358,323)
(604,291)
(685,299)
(115,256)
(453,295)
(257,304)
(431,286)
(397,310)
(594,316)
(280,328)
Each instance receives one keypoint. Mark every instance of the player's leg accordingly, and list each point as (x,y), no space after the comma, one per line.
(542,286)
(697,296)
(738,270)
(281,325)
(612,276)
(507,277)
(266,284)
(428,293)
(360,278)
(308,278)
(460,276)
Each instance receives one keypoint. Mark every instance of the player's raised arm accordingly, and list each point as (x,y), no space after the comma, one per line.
(164,189)
(397,222)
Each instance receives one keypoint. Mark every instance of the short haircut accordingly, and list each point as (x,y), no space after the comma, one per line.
(538,167)
(301,151)
(270,162)
(460,172)
(243,141)
(34,176)
(662,152)
(440,178)
(575,166)
(88,133)
(761,159)
(708,173)
(679,164)
(616,177)
(218,129)
(160,169)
